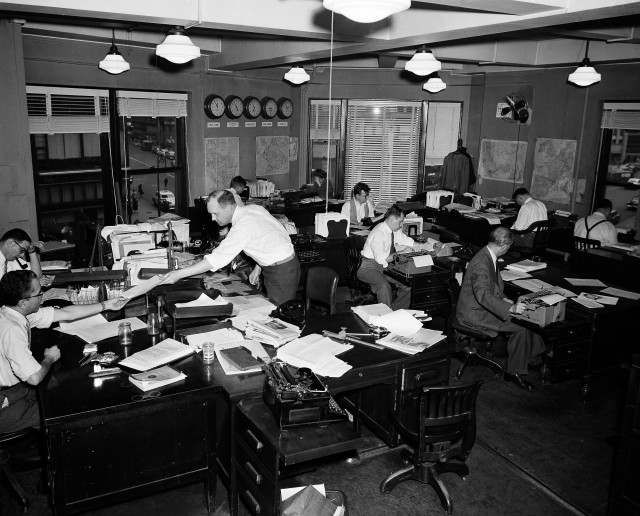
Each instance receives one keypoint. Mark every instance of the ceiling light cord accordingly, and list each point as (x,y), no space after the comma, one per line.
(326,200)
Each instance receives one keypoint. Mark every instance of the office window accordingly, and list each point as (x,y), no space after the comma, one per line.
(325,125)
(442,133)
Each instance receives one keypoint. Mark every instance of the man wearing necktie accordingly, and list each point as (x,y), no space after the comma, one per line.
(20,296)
(15,244)
(482,306)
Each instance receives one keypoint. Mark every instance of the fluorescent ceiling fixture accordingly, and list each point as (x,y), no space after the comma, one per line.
(366,11)
(434,85)
(177,47)
(113,62)
(423,63)
(297,75)
(585,74)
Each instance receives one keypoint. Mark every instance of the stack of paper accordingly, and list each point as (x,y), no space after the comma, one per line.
(96,328)
(527,266)
(162,353)
(317,353)
(414,343)
(155,378)
(255,304)
(272,331)
(510,275)
(368,312)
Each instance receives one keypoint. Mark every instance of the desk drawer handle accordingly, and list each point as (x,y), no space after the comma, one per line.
(254,474)
(259,444)
(254,502)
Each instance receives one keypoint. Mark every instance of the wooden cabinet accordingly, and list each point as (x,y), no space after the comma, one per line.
(427,289)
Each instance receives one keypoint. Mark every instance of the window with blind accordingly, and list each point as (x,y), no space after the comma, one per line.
(383,147)
(442,133)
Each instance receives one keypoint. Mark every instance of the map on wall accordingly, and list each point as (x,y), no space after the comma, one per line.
(272,155)
(553,170)
(221,162)
(498,160)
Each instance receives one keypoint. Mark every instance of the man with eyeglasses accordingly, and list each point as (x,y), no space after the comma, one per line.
(20,297)
(359,209)
(15,244)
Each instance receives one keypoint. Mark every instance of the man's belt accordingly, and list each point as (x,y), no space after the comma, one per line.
(288,259)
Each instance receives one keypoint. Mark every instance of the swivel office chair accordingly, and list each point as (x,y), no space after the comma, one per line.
(360,291)
(456,333)
(320,289)
(5,468)
(538,233)
(582,244)
(445,428)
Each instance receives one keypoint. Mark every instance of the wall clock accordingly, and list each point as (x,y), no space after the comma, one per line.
(214,106)
(252,107)
(269,107)
(285,107)
(234,106)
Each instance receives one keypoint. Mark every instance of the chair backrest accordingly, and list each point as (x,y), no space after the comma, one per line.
(452,287)
(321,287)
(542,232)
(582,244)
(447,236)
(353,259)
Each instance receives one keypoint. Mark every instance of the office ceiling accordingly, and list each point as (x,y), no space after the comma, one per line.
(468,36)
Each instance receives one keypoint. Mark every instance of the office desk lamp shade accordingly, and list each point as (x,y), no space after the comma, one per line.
(177,47)
(585,75)
(423,63)
(366,11)
(297,75)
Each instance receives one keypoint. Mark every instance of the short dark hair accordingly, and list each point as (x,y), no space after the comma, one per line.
(238,181)
(394,211)
(501,236)
(224,197)
(361,187)
(319,173)
(603,204)
(14,286)
(17,234)
(519,191)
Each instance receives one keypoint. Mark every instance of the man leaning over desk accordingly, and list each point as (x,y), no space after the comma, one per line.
(256,232)
(20,296)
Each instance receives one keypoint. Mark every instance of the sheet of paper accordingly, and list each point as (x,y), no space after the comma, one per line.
(162,353)
(533,285)
(399,322)
(96,328)
(203,300)
(142,287)
(510,275)
(552,299)
(621,293)
(222,335)
(288,493)
(585,282)
(424,260)
(587,302)
(603,300)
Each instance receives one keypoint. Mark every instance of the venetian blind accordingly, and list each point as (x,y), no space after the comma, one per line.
(443,129)
(151,104)
(614,119)
(382,147)
(319,119)
(67,110)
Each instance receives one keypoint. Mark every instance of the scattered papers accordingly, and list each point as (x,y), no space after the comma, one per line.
(510,275)
(222,335)
(162,353)
(317,353)
(257,303)
(621,293)
(96,328)
(527,266)
(270,330)
(412,344)
(142,287)
(589,303)
(368,312)
(603,300)
(424,260)
(203,300)
(399,322)
(551,299)
(155,378)
(584,282)
(533,285)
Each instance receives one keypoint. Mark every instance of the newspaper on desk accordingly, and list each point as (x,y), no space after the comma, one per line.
(414,343)
(317,353)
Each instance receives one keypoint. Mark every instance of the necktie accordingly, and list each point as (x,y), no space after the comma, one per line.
(392,250)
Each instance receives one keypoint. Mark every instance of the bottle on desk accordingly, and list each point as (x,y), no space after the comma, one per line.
(125,335)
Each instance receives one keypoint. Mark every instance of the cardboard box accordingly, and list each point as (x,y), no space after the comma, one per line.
(541,313)
(412,226)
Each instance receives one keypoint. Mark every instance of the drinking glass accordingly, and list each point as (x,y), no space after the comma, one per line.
(125,335)
(153,324)
(208,354)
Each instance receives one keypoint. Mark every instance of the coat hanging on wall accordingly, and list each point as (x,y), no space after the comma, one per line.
(457,171)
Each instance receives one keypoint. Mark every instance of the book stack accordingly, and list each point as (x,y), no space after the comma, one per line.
(271,331)
(155,378)
(415,343)
(527,266)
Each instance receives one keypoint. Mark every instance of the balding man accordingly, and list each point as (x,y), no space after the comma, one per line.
(482,306)
(260,236)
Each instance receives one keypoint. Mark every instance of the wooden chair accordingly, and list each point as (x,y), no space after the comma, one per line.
(439,423)
(538,233)
(360,291)
(5,468)
(456,333)
(582,244)
(320,289)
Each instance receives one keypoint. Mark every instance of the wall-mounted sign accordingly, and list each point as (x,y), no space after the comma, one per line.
(249,124)
(233,124)
(213,125)
(267,124)
(283,124)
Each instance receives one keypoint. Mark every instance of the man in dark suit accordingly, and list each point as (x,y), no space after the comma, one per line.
(482,306)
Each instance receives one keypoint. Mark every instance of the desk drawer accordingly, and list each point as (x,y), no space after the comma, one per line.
(564,333)
(431,280)
(260,476)
(567,371)
(417,376)
(571,350)
(253,440)
(252,498)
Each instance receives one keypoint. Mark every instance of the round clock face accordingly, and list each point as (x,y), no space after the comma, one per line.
(214,106)
(235,106)
(269,107)
(252,107)
(285,107)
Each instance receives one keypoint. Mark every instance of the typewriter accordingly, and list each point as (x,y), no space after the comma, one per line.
(304,244)
(297,397)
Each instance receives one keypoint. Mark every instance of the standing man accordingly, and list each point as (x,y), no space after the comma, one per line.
(531,210)
(597,226)
(359,209)
(379,251)
(20,296)
(260,236)
(15,244)
(482,306)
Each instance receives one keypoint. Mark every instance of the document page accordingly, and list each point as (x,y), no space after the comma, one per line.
(166,351)
(585,282)
(621,293)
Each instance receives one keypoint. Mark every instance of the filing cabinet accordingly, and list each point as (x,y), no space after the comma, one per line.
(427,289)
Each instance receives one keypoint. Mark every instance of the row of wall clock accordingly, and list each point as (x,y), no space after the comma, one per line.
(251,107)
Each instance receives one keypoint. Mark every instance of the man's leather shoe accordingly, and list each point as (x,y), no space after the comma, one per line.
(518,380)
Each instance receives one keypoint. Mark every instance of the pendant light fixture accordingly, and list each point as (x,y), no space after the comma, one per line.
(366,11)
(113,62)
(423,63)
(177,47)
(585,74)
(434,84)
(297,75)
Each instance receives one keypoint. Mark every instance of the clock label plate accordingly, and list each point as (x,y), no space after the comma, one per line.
(267,124)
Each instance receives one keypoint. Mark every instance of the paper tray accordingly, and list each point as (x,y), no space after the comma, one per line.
(184,296)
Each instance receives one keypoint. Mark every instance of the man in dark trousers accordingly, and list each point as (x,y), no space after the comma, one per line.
(482,306)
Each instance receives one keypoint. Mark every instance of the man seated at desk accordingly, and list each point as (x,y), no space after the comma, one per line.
(482,306)
(319,185)
(20,296)
(256,232)
(238,187)
(531,210)
(597,226)
(15,244)
(359,209)
(380,249)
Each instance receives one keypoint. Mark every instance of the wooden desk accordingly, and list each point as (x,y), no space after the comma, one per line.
(103,447)
(427,289)
(611,265)
(474,231)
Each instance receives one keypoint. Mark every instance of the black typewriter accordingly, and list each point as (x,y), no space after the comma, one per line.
(304,244)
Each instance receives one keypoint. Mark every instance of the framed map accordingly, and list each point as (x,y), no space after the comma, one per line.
(553,163)
(502,160)
(221,162)
(272,155)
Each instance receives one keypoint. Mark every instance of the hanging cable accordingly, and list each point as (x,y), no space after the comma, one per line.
(326,200)
(515,167)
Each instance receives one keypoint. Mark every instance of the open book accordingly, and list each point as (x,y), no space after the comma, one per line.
(272,331)
(155,378)
(166,351)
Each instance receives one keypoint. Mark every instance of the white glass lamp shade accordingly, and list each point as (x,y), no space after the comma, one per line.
(113,62)
(177,47)
(423,63)
(297,75)
(366,11)
(585,75)
(434,85)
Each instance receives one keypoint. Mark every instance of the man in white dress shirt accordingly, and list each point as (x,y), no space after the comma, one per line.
(237,187)
(597,226)
(359,209)
(15,244)
(256,232)
(531,210)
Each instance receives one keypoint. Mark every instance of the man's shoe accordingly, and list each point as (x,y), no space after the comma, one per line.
(518,380)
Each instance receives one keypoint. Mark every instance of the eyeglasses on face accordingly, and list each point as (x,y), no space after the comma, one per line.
(39,294)
(22,249)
